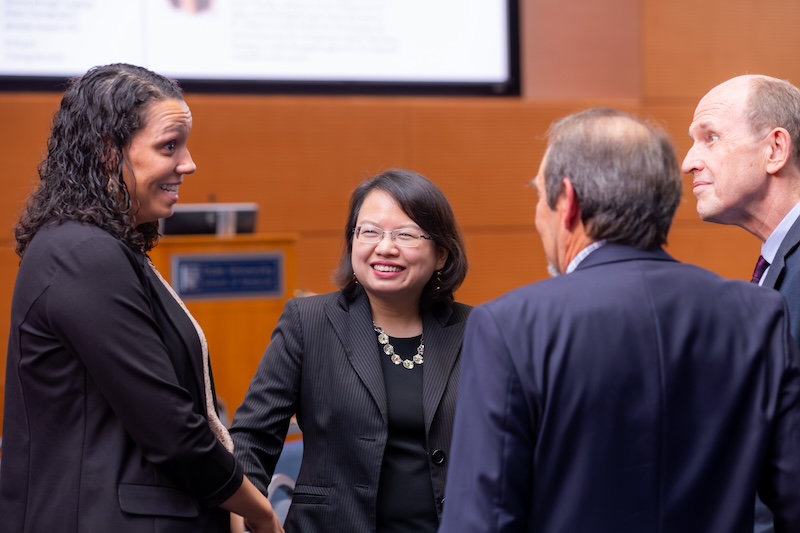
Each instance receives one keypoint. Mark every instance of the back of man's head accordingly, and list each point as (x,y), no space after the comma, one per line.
(624,171)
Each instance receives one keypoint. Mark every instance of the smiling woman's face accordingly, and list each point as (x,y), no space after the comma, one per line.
(156,160)
(388,271)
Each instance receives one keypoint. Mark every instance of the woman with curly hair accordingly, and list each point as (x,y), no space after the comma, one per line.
(110,415)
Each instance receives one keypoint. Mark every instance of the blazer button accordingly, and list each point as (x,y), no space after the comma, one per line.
(438,457)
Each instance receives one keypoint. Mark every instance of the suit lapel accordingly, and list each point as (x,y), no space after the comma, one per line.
(442,346)
(788,245)
(353,326)
(189,336)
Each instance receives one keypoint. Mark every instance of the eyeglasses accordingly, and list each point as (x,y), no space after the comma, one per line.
(405,237)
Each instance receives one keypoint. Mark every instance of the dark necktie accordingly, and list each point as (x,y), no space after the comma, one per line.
(761,266)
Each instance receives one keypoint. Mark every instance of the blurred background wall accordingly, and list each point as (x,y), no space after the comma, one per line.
(299,157)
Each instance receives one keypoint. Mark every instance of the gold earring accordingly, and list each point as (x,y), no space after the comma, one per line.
(111,186)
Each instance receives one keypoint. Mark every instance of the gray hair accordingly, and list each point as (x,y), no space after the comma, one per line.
(774,103)
(624,171)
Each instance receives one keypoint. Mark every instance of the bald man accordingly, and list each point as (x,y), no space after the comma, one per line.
(746,166)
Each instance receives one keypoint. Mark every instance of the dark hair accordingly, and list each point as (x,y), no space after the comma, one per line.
(624,171)
(428,207)
(99,114)
(774,103)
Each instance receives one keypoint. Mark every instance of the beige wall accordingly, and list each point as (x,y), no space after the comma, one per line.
(299,157)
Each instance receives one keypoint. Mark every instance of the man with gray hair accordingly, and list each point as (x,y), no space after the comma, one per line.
(746,166)
(632,392)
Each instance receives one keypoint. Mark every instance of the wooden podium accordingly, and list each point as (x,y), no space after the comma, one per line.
(235,287)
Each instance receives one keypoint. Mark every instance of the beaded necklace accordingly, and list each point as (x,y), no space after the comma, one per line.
(388,349)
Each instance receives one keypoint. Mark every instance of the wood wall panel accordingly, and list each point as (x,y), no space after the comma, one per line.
(24,126)
(482,156)
(689,46)
(581,49)
(501,260)
(296,157)
(727,250)
(676,120)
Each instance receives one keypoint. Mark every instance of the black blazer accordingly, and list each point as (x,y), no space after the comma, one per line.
(105,428)
(322,364)
(636,394)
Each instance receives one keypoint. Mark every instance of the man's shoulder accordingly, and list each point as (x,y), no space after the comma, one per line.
(629,280)
(538,293)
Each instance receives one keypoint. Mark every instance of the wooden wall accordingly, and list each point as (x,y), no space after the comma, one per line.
(299,157)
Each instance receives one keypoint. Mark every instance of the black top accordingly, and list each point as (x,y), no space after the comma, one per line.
(405,494)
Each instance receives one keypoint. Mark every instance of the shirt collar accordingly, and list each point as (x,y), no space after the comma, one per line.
(583,254)
(770,247)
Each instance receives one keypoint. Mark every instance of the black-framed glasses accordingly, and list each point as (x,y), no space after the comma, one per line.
(405,237)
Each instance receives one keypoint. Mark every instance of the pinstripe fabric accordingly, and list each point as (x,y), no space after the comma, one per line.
(323,362)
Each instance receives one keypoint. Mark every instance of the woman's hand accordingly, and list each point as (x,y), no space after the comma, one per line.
(248,502)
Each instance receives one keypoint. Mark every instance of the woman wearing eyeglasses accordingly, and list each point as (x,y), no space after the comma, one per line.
(371,371)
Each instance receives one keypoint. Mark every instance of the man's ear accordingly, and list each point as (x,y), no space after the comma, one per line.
(568,205)
(780,150)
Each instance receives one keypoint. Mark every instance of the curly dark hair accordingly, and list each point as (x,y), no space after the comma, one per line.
(98,116)
(428,207)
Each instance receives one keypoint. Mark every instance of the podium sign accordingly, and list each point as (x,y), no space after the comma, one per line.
(228,276)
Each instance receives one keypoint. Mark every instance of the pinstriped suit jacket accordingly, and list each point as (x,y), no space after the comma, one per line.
(321,363)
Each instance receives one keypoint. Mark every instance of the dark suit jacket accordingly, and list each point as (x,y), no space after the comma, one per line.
(105,426)
(323,364)
(636,394)
(784,275)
